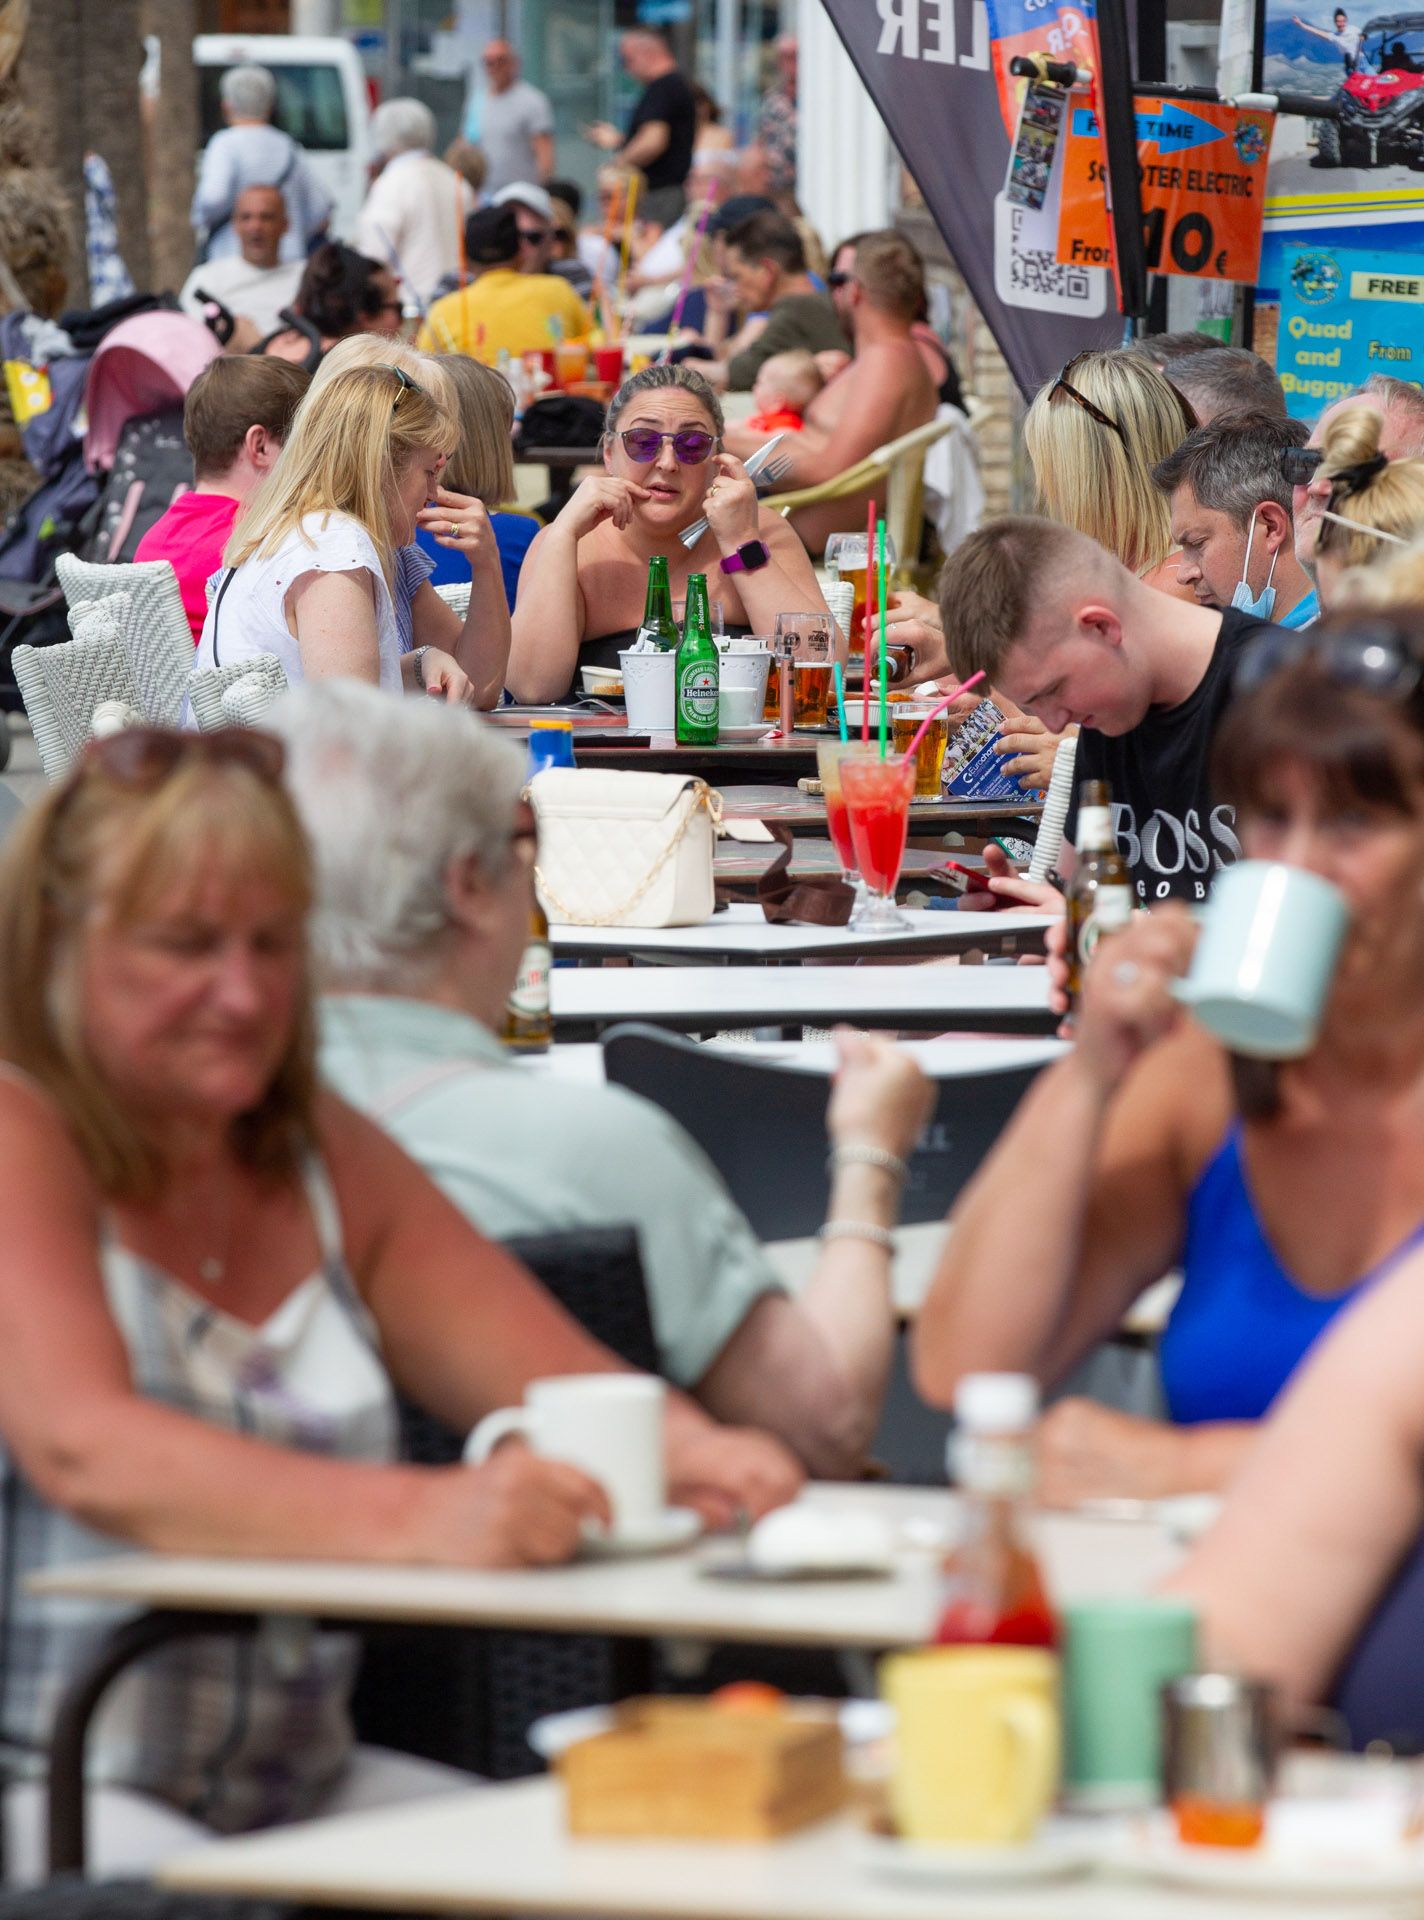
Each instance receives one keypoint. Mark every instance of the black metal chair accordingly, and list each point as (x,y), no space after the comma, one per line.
(762,1123)
(468,1699)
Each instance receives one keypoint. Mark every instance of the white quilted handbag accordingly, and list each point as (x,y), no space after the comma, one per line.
(625,849)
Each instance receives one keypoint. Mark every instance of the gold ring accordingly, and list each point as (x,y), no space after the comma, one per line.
(454,528)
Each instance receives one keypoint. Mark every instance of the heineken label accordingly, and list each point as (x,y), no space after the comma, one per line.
(1112,908)
(697,696)
(531,989)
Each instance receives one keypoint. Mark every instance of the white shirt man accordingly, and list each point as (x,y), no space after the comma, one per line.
(415,212)
(250,152)
(255,283)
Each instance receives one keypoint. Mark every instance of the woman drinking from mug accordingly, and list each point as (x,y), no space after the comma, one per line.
(1283,1192)
(583,584)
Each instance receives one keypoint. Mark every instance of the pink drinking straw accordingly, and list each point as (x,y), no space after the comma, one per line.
(869,627)
(884,659)
(935,711)
(687,274)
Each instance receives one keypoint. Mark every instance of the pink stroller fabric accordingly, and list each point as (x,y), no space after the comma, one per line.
(144,364)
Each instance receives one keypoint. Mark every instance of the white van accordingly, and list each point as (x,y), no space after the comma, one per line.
(322,101)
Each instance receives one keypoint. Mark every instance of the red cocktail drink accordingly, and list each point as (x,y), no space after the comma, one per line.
(877,796)
(838,821)
(831,757)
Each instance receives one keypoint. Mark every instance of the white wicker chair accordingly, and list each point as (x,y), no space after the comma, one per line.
(236,695)
(157,634)
(62,685)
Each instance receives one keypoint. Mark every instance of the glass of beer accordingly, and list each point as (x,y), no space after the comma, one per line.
(571,361)
(811,692)
(847,553)
(906,718)
(809,639)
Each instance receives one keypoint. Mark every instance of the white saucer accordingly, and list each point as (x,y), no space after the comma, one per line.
(1059,1848)
(674,1527)
(758,732)
(1313,1850)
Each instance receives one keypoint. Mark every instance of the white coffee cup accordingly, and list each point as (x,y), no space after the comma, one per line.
(609,1425)
(1262,969)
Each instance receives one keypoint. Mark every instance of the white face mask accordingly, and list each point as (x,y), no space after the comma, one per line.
(1265,606)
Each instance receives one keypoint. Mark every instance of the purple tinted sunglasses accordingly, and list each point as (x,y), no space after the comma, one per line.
(691,446)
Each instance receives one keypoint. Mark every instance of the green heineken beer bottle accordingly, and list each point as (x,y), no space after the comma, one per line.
(697,671)
(659,627)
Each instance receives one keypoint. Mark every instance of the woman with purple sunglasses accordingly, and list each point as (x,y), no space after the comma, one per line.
(582,586)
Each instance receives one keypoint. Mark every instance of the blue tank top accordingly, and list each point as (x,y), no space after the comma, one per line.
(1241,1325)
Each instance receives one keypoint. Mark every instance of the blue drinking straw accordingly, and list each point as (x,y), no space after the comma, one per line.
(839,672)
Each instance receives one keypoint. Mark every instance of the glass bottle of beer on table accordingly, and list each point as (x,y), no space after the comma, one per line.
(697,671)
(1100,898)
(659,629)
(528,1016)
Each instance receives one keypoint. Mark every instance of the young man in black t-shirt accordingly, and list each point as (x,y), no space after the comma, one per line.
(661,129)
(1070,635)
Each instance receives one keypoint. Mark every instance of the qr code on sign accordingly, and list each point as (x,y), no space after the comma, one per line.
(1038,272)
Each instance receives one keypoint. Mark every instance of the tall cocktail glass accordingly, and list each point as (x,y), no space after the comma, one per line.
(877,797)
(830,755)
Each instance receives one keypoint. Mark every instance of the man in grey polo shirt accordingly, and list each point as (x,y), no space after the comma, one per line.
(511,121)
(424,854)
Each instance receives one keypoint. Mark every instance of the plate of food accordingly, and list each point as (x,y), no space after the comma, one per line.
(603,683)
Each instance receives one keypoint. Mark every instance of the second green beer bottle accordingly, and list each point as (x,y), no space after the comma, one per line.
(697,671)
(658,626)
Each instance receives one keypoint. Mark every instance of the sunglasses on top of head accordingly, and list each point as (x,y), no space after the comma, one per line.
(690,445)
(1094,412)
(1298,465)
(1375,656)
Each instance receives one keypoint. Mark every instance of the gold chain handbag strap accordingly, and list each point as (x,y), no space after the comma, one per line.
(702,796)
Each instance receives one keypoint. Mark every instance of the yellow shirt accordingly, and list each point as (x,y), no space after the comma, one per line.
(503,308)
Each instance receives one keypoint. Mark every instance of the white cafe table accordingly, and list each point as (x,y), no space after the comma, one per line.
(160,1598)
(505,1850)
(665,1596)
(904,996)
(743,932)
(941,1059)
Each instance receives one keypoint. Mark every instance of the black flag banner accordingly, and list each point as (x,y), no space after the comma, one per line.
(926,64)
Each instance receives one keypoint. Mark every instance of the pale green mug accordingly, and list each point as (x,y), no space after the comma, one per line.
(1262,969)
(1117,1656)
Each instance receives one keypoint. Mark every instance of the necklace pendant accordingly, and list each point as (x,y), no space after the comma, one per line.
(211,1271)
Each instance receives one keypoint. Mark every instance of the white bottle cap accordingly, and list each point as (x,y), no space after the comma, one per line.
(996,1402)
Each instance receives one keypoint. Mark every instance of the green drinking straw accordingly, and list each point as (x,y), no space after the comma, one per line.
(839,672)
(884,657)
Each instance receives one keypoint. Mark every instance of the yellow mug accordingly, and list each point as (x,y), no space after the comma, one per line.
(977,1746)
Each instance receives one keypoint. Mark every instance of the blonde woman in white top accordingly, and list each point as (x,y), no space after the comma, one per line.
(311,564)
(214,1276)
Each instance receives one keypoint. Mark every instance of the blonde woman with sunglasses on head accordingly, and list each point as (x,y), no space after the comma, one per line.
(584,581)
(1094,435)
(214,1279)
(453,522)
(311,565)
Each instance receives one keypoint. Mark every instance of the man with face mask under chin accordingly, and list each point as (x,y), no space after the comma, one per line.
(1231,517)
